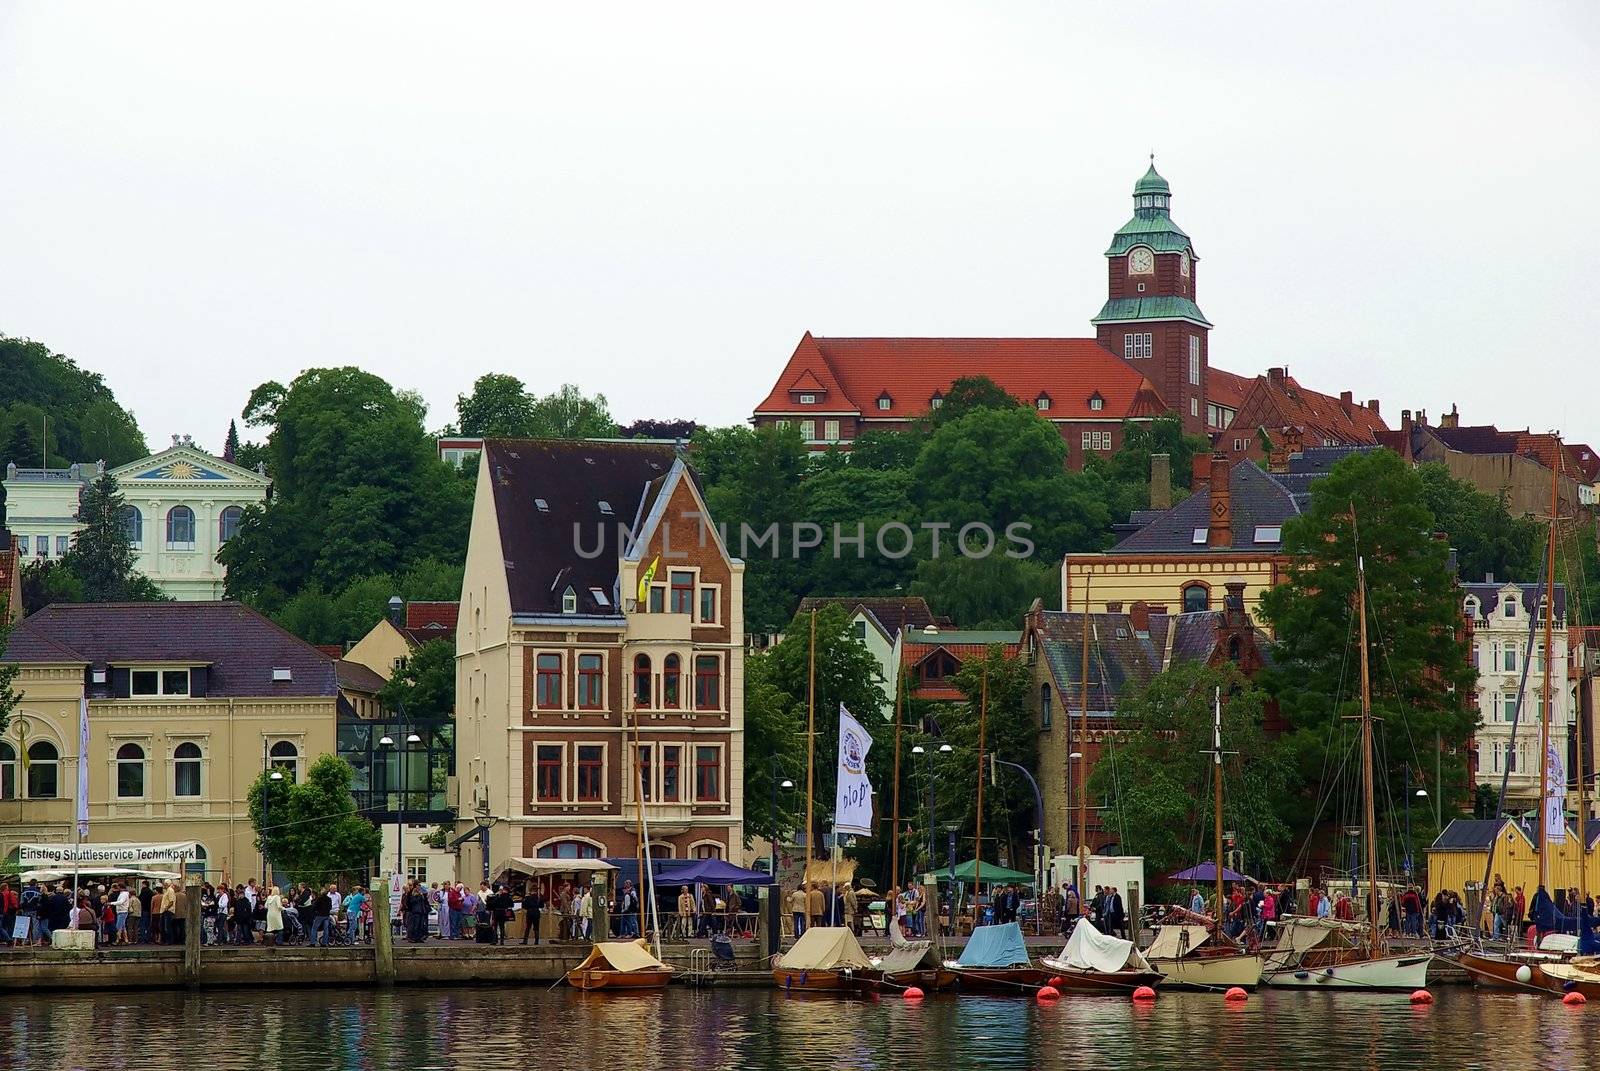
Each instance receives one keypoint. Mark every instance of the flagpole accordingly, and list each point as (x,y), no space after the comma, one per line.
(811,744)
(977,865)
(894,866)
(81,815)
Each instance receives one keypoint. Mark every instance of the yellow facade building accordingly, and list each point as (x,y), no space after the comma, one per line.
(187,703)
(1459,855)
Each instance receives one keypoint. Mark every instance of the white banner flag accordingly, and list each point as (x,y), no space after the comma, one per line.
(853,805)
(83,768)
(1555,804)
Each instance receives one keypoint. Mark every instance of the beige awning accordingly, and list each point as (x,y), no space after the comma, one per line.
(827,871)
(540,868)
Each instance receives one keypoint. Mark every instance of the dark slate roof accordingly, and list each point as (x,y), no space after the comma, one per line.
(1476,439)
(1317,460)
(892,613)
(572,477)
(1488,595)
(241,646)
(1256,498)
(356,677)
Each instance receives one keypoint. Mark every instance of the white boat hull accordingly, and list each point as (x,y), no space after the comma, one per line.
(1214,972)
(1388,972)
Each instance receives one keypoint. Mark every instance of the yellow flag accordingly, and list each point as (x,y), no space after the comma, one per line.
(644,581)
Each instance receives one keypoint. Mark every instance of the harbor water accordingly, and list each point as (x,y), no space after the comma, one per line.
(517,1027)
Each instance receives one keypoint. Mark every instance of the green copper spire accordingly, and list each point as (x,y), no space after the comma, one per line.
(1152,182)
(1151,224)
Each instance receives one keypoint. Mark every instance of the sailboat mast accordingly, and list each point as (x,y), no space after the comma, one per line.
(894,866)
(1083,752)
(1369,807)
(811,743)
(1549,658)
(977,866)
(1216,765)
(647,877)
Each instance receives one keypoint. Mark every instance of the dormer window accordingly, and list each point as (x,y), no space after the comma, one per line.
(569,601)
(1510,608)
(541,505)
(1096,403)
(885,403)
(1472,606)
(605,507)
(936,401)
(1042,403)
(808,399)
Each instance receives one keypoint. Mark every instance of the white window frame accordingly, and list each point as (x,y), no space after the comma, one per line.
(199,762)
(716,603)
(1194,360)
(161,682)
(830,430)
(694,773)
(117,743)
(808,430)
(885,403)
(808,399)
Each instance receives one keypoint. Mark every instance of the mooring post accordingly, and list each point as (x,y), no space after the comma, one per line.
(382,934)
(191,933)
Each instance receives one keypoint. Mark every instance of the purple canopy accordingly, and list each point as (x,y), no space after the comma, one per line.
(1207,871)
(711,872)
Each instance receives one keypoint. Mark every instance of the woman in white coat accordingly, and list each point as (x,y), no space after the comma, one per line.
(274,916)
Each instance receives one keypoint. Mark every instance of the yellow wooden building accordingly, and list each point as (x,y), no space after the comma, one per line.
(1457,858)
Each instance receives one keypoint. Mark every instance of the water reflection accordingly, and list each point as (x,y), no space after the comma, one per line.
(314,1030)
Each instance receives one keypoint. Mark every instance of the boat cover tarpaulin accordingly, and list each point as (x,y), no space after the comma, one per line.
(1304,934)
(823,948)
(1090,950)
(995,946)
(621,956)
(1175,942)
(912,956)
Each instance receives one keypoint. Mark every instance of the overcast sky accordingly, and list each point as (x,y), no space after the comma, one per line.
(654,201)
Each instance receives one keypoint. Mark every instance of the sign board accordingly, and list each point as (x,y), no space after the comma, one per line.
(59,856)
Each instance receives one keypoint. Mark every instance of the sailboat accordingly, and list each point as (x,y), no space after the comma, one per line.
(996,960)
(1095,962)
(1555,966)
(1314,953)
(1191,953)
(826,959)
(614,965)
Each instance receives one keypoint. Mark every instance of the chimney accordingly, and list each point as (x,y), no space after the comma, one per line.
(1114,606)
(397,611)
(1200,479)
(1372,404)
(1160,481)
(1221,533)
(1347,399)
(1452,419)
(1277,375)
(1488,578)
(1139,616)
(1233,601)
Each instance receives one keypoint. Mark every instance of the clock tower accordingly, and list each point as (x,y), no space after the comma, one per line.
(1150,317)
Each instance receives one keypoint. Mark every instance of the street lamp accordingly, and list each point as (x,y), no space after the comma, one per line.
(933,800)
(772,814)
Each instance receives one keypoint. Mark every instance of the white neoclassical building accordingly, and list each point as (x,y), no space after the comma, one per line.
(182,505)
(1508,652)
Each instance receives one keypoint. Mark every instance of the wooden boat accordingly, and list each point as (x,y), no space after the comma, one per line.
(914,963)
(1314,953)
(1332,954)
(1094,962)
(826,959)
(1189,957)
(614,965)
(996,960)
(1499,970)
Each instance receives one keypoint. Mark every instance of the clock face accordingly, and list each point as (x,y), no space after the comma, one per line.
(1141,260)
(1183,263)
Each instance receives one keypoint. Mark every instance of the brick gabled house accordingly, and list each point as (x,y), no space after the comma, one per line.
(1296,418)
(560,663)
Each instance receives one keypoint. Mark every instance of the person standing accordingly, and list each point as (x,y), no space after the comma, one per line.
(797,908)
(585,912)
(685,912)
(9,904)
(532,908)
(178,912)
(815,905)
(60,910)
(274,917)
(147,920)
(1112,911)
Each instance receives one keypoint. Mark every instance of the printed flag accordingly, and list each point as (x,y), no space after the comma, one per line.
(83,768)
(853,807)
(1555,804)
(644,582)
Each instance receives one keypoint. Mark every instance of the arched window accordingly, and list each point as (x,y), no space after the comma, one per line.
(671,681)
(133,525)
(8,771)
(43,771)
(568,849)
(228,523)
(186,769)
(286,757)
(130,772)
(1196,599)
(1045,712)
(1472,607)
(641,681)
(707,851)
(1234,648)
(180,528)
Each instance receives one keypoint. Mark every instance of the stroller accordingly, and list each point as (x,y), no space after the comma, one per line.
(722,953)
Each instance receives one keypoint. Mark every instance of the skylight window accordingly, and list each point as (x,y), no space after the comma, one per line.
(600,596)
(605,507)
(1269,533)
(1199,536)
(541,505)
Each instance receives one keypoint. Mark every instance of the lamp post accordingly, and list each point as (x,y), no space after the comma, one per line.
(274,775)
(933,800)
(1072,765)
(1038,836)
(387,741)
(772,814)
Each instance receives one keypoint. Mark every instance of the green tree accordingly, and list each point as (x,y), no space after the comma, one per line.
(9,699)
(86,423)
(774,751)
(22,445)
(311,830)
(886,450)
(230,445)
(1009,734)
(1421,677)
(499,405)
(425,687)
(1003,467)
(101,558)
(847,674)
(986,593)
(570,414)
(1158,775)
(967,395)
(1126,474)
(1487,539)
(851,503)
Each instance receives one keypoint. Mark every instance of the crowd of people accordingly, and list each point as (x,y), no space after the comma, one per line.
(118,914)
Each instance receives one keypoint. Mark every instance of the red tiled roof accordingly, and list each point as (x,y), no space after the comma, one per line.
(1587,461)
(332,650)
(856,372)
(432,615)
(1226,389)
(1321,416)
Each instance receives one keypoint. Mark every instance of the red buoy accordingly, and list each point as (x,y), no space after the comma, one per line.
(1056,981)
(911,994)
(1048,993)
(1574,998)
(1236,994)
(1421,996)
(1144,992)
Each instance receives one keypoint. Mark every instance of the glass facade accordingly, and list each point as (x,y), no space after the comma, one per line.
(401,776)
